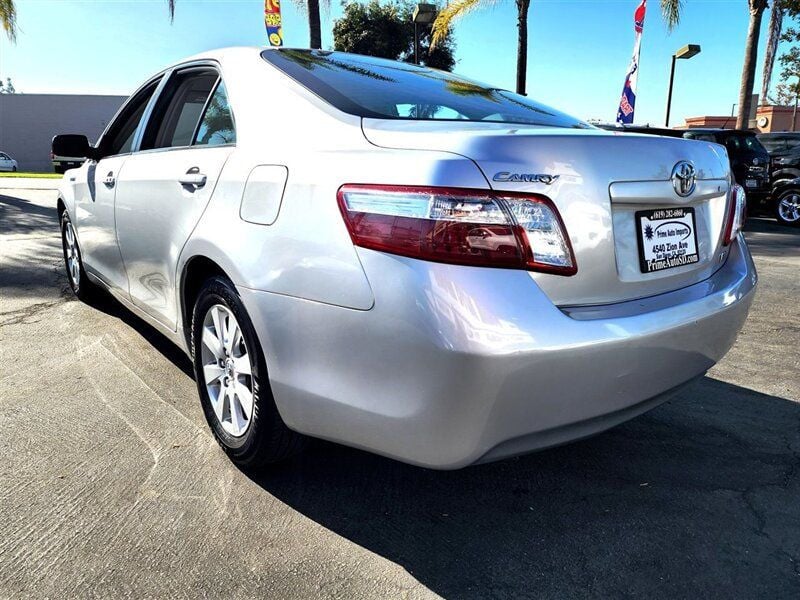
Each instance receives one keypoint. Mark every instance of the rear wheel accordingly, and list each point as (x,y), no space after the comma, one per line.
(78,281)
(232,381)
(787,208)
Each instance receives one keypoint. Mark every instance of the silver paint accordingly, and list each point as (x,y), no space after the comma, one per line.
(438,365)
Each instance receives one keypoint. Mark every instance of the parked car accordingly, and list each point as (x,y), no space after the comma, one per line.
(61,164)
(403,260)
(750,161)
(7,163)
(784,150)
(633,128)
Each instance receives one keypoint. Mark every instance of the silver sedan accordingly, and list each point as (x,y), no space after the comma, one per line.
(403,260)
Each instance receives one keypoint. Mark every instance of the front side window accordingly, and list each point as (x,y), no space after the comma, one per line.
(384,89)
(119,136)
(216,127)
(178,110)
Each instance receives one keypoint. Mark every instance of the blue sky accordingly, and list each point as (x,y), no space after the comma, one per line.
(578,49)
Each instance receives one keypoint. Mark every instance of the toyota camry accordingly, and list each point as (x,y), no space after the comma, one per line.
(403,260)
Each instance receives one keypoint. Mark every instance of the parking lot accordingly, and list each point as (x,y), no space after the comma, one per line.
(111,484)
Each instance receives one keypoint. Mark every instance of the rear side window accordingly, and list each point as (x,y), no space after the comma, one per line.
(701,136)
(385,89)
(216,127)
(743,142)
(177,113)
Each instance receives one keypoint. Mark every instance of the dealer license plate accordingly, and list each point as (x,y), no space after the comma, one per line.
(667,238)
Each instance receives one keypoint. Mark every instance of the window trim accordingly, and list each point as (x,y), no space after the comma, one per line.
(125,105)
(203,114)
(182,68)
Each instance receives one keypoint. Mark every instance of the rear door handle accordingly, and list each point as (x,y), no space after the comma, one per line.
(193,178)
(109,181)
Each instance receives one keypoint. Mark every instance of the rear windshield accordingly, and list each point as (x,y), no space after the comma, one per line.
(385,89)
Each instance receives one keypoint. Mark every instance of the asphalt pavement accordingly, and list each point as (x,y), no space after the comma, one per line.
(112,486)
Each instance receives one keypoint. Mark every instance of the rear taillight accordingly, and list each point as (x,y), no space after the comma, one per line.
(736,214)
(459,226)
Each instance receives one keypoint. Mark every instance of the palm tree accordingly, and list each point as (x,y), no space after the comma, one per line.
(457,9)
(756,8)
(8,17)
(774,30)
(670,9)
(314,28)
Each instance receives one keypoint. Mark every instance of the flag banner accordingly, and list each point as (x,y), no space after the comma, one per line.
(627,102)
(272,19)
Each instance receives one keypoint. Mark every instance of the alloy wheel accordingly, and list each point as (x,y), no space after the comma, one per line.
(227,370)
(72,255)
(789,208)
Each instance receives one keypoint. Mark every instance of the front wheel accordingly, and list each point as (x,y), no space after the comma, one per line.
(231,375)
(787,208)
(78,281)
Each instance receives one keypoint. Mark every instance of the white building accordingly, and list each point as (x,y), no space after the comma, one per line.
(28,123)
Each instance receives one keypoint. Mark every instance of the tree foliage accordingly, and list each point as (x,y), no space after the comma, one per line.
(387,31)
(7,87)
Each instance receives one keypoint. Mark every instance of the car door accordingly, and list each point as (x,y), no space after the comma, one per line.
(5,162)
(95,190)
(164,189)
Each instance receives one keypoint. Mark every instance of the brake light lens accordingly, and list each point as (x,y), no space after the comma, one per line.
(459,226)
(737,214)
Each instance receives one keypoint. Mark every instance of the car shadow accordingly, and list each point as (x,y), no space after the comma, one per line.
(768,238)
(697,498)
(106,303)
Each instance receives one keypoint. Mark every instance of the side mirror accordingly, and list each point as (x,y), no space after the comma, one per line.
(74,145)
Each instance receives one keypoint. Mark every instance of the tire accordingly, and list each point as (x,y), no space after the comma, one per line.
(13,169)
(80,284)
(252,440)
(787,208)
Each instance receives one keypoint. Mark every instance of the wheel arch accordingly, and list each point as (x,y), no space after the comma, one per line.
(196,270)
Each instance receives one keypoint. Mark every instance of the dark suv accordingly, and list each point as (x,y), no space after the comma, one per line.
(749,160)
(775,188)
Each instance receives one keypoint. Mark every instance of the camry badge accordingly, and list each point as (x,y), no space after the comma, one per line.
(505,176)
(683,178)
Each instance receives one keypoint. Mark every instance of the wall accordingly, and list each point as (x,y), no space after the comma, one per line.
(28,123)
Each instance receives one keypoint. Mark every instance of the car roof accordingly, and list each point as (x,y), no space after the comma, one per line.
(770,134)
(720,131)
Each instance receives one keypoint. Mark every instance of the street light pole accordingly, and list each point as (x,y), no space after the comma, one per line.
(669,92)
(687,52)
(424,14)
(416,43)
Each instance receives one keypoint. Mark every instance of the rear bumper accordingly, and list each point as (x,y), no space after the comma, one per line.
(457,365)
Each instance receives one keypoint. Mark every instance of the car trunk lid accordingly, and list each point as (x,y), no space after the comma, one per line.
(599,181)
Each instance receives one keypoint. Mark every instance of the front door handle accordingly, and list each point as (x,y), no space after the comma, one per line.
(109,181)
(193,178)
